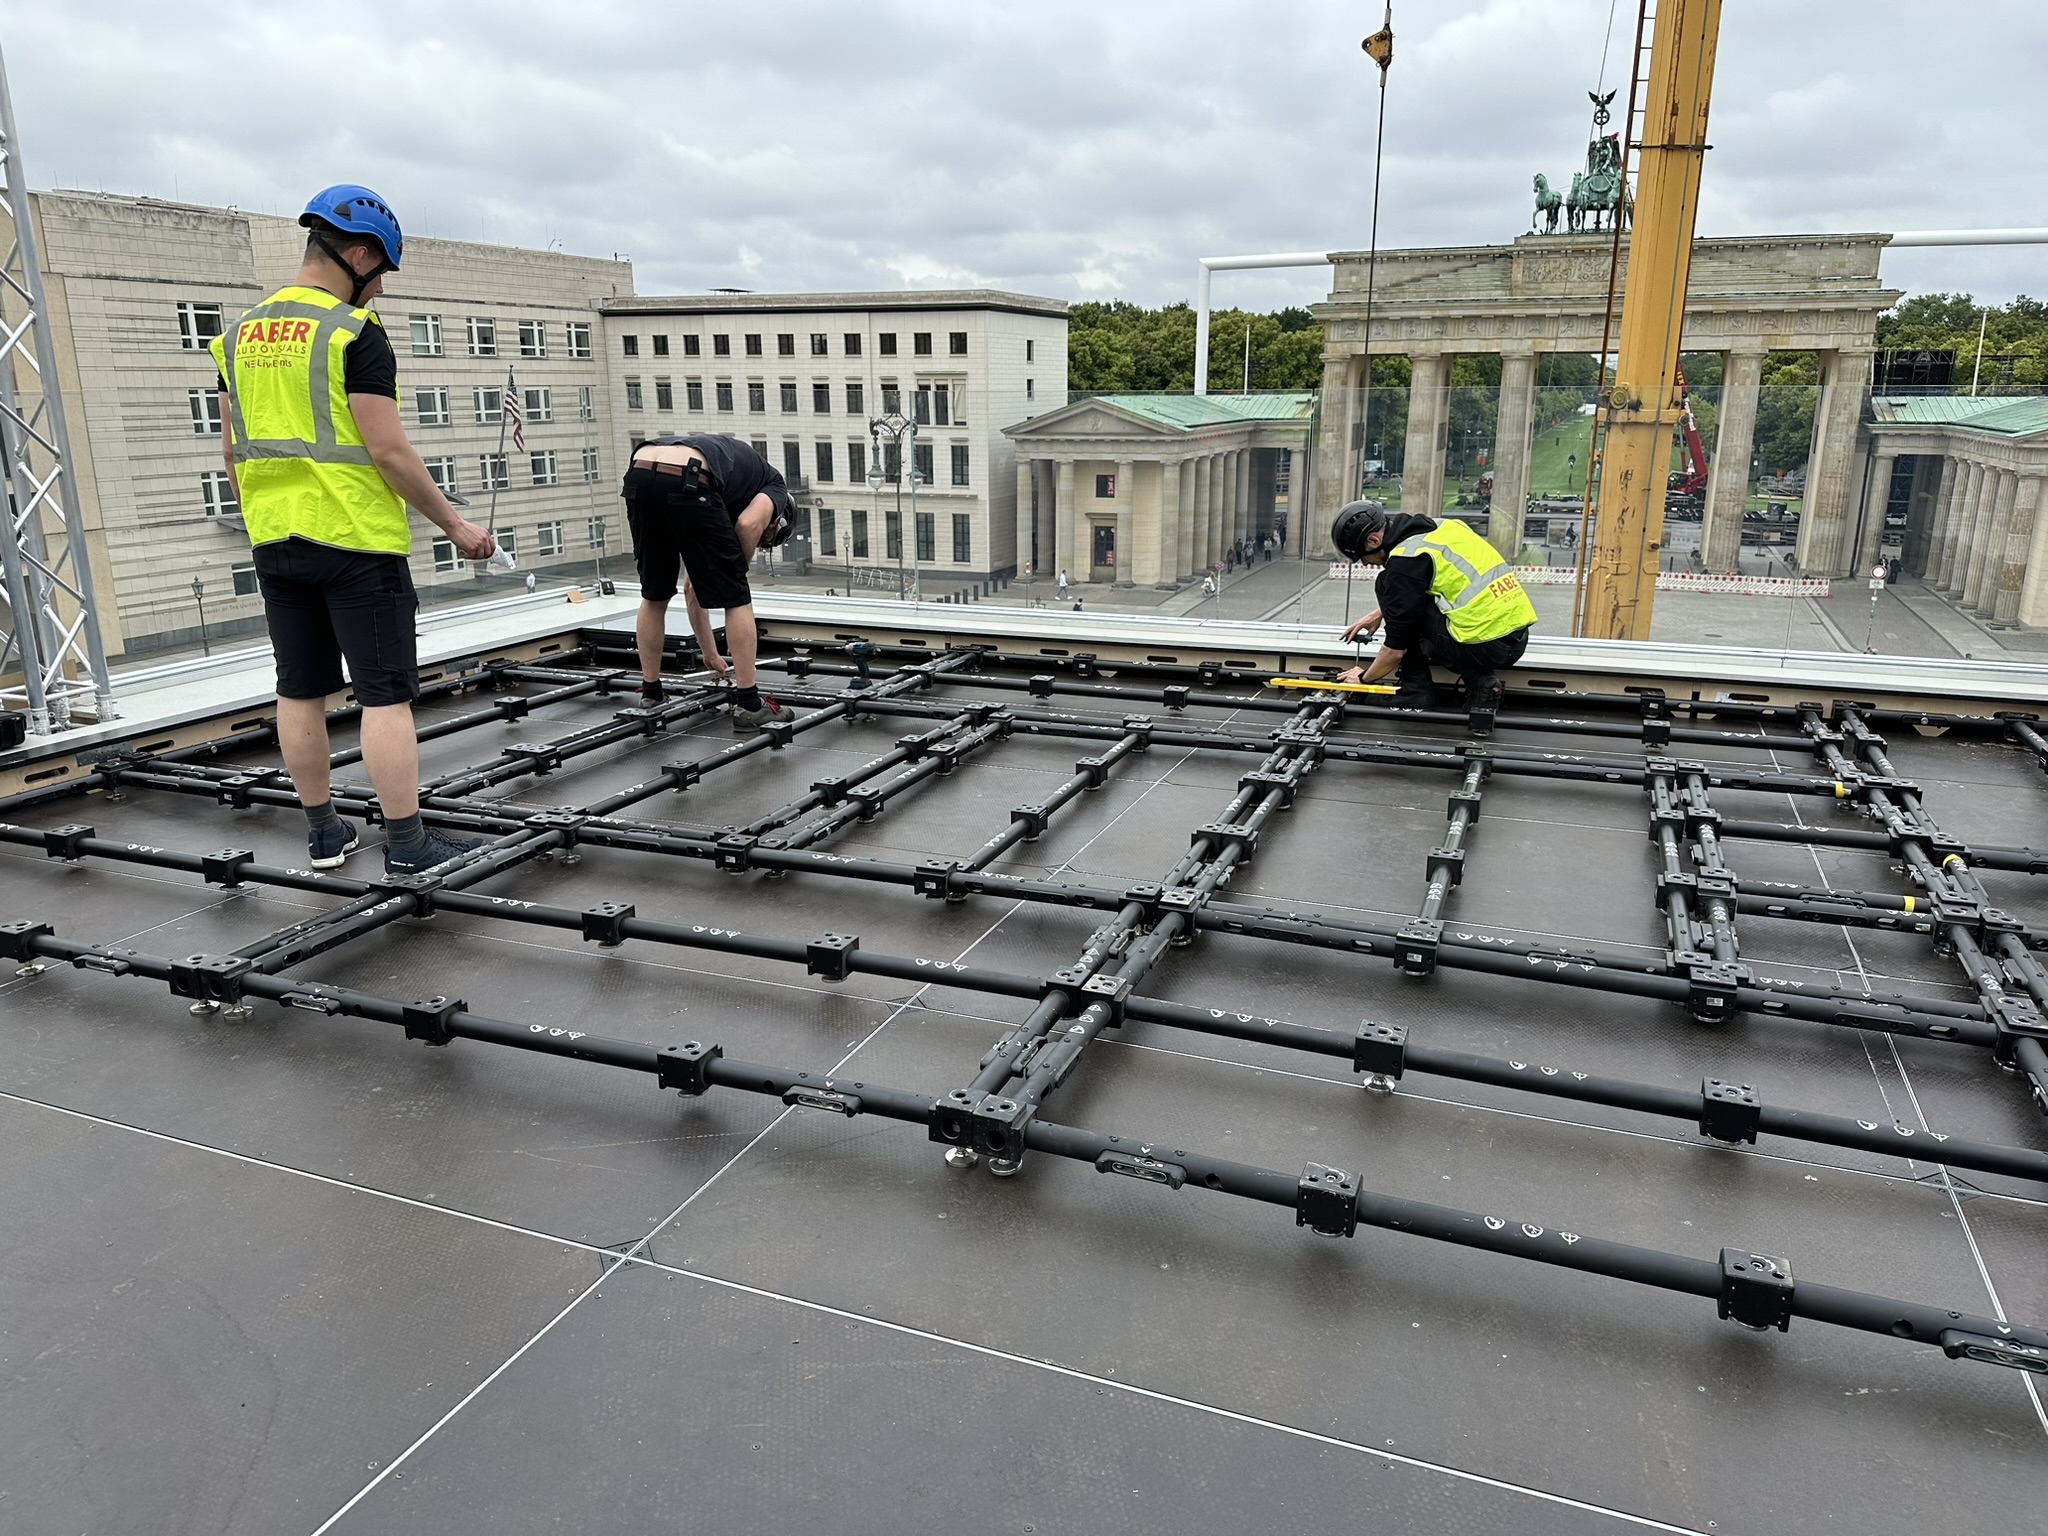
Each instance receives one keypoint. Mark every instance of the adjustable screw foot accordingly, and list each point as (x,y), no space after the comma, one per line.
(1378,1082)
(568,858)
(962,1157)
(33,968)
(239,1014)
(1004,1167)
(203,1010)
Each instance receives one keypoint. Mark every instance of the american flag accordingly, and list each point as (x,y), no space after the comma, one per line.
(514,415)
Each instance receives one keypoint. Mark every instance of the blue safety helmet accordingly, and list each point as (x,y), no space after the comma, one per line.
(357,210)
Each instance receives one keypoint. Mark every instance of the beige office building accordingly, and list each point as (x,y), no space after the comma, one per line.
(802,376)
(138,287)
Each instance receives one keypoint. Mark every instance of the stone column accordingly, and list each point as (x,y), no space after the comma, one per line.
(1937,526)
(1184,533)
(2019,549)
(1988,557)
(1517,413)
(1955,543)
(1336,459)
(1243,487)
(1126,520)
(1728,480)
(1063,523)
(1198,519)
(1212,510)
(1422,460)
(1154,532)
(1024,482)
(2033,604)
(1877,501)
(1824,516)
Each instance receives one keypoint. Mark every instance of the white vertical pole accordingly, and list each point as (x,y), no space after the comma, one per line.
(1202,328)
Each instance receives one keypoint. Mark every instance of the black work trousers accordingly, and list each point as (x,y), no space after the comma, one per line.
(1467,659)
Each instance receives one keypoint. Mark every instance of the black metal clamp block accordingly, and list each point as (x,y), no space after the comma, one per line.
(1415,947)
(649,717)
(1228,834)
(1715,885)
(1326,1200)
(542,756)
(1112,992)
(2015,1019)
(951,1119)
(1960,1344)
(431,1019)
(683,775)
(1711,993)
(605,923)
(798,666)
(224,866)
(830,955)
(1466,800)
(1729,1112)
(1035,819)
(234,790)
(734,853)
(1448,863)
(210,978)
(934,878)
(1042,684)
(514,708)
(830,791)
(1083,663)
(1310,743)
(18,940)
(1380,1049)
(997,1127)
(1142,1165)
(1147,899)
(565,822)
(1186,900)
(867,800)
(1267,783)
(1140,726)
(948,755)
(1097,769)
(827,1095)
(66,842)
(780,733)
(1071,978)
(686,1067)
(1756,1290)
(420,888)
(1175,696)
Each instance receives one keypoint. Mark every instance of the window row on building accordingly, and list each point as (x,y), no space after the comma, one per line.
(753,344)
(933,402)
(856,545)
(431,405)
(550,541)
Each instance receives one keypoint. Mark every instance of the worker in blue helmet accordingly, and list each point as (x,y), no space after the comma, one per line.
(324,472)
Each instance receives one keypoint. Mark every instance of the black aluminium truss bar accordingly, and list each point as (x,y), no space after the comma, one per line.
(1757,1291)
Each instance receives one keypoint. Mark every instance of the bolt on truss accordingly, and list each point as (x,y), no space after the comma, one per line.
(49,622)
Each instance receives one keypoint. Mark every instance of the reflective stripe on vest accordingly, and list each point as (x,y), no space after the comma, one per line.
(301,466)
(1476,589)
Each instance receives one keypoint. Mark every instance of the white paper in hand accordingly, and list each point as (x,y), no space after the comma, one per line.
(502,559)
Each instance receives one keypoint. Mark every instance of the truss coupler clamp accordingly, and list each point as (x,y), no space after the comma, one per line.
(1729,1112)
(830,955)
(2015,1019)
(686,1067)
(1112,992)
(1069,979)
(1096,768)
(830,791)
(420,888)
(950,1120)
(1267,783)
(1326,1201)
(1712,988)
(1228,834)
(541,756)
(735,852)
(1380,1051)
(1311,743)
(211,978)
(1140,726)
(564,822)
(1415,947)
(934,878)
(1042,685)
(1756,1290)
(513,708)
(1146,898)
(66,842)
(1035,818)
(234,790)
(1449,863)
(18,940)
(682,775)
(605,923)
(997,1126)
(780,733)
(224,866)
(1175,696)
(867,800)
(1466,800)
(431,1019)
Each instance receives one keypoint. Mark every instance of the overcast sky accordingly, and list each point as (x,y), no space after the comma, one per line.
(1080,150)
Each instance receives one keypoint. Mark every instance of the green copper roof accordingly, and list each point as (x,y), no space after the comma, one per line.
(2013,415)
(1186,412)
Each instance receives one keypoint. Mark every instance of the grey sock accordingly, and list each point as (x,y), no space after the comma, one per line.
(405,831)
(322,815)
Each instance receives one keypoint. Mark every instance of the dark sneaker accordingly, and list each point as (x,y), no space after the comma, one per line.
(1414,696)
(652,693)
(1483,693)
(770,712)
(327,846)
(439,848)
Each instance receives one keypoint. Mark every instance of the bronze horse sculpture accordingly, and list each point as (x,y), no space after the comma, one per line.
(1548,201)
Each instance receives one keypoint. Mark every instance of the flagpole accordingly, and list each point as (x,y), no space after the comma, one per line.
(493,524)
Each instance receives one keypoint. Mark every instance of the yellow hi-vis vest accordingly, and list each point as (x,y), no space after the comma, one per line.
(300,464)
(1473,585)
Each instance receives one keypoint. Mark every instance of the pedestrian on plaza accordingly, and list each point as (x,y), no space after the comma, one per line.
(703,504)
(324,472)
(1208,586)
(1269,549)
(1445,595)
(530,583)
(1063,585)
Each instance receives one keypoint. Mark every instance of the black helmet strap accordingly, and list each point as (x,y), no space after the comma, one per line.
(355,295)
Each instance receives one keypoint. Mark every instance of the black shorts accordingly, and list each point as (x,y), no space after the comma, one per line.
(680,522)
(325,605)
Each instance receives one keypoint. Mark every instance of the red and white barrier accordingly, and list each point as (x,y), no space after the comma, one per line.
(1667,581)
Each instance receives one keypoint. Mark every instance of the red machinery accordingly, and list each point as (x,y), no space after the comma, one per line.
(1685,494)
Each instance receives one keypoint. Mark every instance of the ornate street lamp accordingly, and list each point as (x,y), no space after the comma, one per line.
(901,433)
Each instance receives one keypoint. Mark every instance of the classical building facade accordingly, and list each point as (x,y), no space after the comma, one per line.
(801,376)
(138,287)
(1548,293)
(1954,492)
(1151,489)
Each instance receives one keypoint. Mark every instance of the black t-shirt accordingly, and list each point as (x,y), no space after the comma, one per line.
(368,366)
(742,473)
(1403,585)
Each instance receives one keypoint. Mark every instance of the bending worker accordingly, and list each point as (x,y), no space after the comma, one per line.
(1445,595)
(703,504)
(309,389)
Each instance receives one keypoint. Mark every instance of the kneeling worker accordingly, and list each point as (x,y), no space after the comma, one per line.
(703,504)
(1445,595)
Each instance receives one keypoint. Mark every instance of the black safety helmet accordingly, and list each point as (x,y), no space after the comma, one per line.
(1356,522)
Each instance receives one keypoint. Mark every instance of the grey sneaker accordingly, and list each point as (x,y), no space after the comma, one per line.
(439,848)
(770,712)
(327,846)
